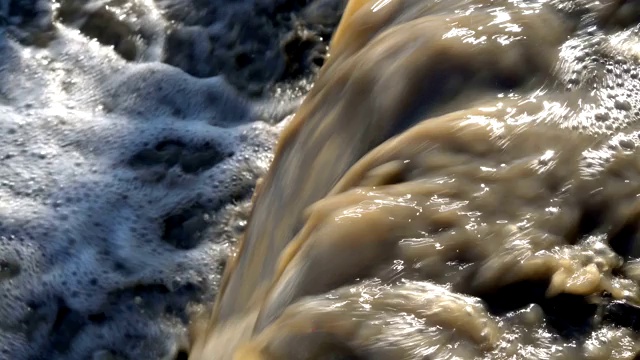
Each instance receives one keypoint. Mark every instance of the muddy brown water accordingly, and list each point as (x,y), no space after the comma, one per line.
(462,182)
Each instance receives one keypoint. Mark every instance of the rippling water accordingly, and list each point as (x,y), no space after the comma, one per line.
(461,182)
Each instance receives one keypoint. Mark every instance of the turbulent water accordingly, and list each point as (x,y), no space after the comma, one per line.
(460,183)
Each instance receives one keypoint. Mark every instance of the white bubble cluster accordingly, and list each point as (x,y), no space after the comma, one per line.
(114,176)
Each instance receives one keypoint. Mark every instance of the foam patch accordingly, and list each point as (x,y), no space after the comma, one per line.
(123,182)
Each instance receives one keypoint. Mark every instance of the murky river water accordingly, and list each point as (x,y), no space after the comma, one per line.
(462,182)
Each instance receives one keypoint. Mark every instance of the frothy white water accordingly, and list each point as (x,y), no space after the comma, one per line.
(121,181)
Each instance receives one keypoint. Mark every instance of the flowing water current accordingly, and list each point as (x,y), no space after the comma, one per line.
(460,183)
(316,180)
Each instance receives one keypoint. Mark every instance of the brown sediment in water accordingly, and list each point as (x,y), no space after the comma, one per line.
(462,181)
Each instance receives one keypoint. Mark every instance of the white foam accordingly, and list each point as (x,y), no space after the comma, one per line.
(85,265)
